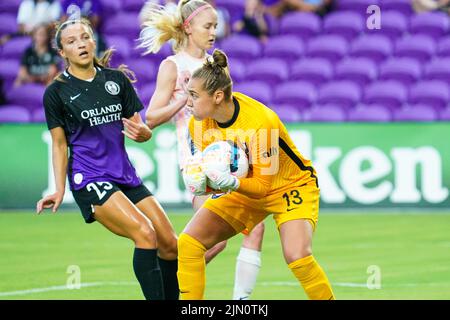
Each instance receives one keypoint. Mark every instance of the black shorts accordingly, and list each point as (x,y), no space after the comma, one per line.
(96,194)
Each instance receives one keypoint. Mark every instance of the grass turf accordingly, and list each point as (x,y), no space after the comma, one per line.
(411,250)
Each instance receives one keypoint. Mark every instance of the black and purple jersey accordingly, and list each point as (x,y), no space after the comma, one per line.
(91,112)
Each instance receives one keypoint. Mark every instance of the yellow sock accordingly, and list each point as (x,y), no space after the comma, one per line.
(191,268)
(312,278)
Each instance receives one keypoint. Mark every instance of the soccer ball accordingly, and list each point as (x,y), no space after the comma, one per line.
(224,156)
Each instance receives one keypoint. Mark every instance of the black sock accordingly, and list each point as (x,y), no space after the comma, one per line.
(169,274)
(148,273)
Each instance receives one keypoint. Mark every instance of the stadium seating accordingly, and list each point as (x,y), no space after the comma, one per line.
(370,113)
(272,70)
(391,94)
(419,113)
(343,23)
(302,24)
(296,93)
(404,70)
(313,70)
(309,66)
(325,113)
(14,113)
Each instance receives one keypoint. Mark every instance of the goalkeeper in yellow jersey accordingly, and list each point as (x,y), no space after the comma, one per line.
(281,182)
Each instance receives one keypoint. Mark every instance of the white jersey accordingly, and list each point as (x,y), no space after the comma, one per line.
(186,65)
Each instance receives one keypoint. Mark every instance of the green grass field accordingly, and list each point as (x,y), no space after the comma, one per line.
(412,251)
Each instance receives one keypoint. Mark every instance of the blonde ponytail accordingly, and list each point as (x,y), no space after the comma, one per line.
(160,24)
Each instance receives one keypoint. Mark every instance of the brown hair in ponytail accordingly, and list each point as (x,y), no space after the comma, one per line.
(215,74)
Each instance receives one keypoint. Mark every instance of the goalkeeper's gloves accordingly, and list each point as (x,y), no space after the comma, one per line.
(220,177)
(193,176)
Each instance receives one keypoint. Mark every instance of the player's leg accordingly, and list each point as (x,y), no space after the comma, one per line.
(248,263)
(205,230)
(296,241)
(119,215)
(167,244)
(197,203)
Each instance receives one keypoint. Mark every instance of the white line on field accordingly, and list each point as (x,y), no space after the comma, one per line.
(264,284)
(62,288)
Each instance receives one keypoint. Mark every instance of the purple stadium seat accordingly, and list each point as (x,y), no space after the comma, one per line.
(370,113)
(110,8)
(10,6)
(165,51)
(121,45)
(288,113)
(391,94)
(270,70)
(38,115)
(325,113)
(234,7)
(433,93)
(393,25)
(374,47)
(145,93)
(359,6)
(444,115)
(359,70)
(14,113)
(344,23)
(313,70)
(9,68)
(14,48)
(444,47)
(123,24)
(402,6)
(8,23)
(237,69)
(286,47)
(272,24)
(404,70)
(330,47)
(434,24)
(258,90)
(28,95)
(243,47)
(343,93)
(438,69)
(418,47)
(302,24)
(132,5)
(420,113)
(297,93)
(144,69)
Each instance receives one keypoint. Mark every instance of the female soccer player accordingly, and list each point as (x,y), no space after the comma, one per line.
(193,31)
(89,108)
(281,182)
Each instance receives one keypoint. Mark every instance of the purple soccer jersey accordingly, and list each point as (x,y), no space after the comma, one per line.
(91,115)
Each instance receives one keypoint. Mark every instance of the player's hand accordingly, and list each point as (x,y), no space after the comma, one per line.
(193,176)
(50,201)
(220,176)
(136,129)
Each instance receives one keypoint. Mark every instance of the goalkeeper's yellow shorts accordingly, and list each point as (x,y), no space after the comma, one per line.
(244,213)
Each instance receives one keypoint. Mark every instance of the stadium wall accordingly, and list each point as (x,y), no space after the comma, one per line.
(359,165)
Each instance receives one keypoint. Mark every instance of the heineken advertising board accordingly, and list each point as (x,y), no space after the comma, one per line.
(358,165)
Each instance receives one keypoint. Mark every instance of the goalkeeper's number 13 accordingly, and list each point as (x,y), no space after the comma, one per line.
(293,197)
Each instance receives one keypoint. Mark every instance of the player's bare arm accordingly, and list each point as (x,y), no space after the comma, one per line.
(159,110)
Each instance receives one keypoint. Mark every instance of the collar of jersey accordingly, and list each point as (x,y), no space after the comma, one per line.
(235,115)
(67,74)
